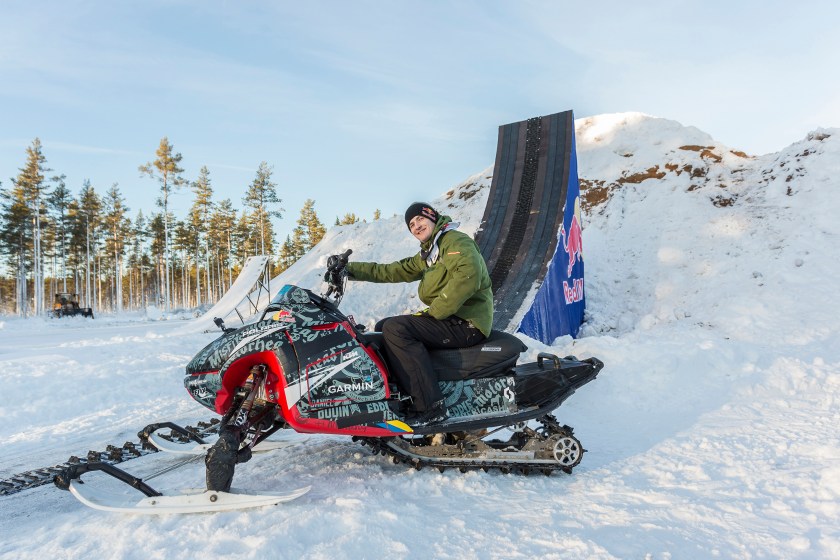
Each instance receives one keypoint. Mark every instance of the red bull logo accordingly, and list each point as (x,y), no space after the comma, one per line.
(284,316)
(573,245)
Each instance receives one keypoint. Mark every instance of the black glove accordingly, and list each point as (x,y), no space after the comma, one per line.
(335,262)
(336,274)
(336,269)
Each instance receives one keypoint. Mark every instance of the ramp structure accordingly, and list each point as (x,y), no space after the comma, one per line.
(248,294)
(533,202)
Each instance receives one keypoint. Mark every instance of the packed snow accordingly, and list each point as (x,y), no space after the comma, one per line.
(712,431)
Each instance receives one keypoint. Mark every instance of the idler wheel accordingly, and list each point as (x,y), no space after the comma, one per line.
(568,451)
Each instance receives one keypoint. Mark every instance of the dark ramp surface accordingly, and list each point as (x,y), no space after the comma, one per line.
(518,233)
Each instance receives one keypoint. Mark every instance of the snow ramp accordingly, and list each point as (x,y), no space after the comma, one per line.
(530,233)
(246,296)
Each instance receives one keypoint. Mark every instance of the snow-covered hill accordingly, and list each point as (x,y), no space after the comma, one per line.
(712,431)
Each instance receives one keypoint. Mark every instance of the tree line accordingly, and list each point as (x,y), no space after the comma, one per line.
(52,241)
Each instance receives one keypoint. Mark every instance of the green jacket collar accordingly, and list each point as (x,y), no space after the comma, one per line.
(439,225)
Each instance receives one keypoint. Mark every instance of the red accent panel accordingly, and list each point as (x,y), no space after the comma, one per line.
(238,372)
(325,426)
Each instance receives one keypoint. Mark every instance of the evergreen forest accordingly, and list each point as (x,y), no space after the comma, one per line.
(54,239)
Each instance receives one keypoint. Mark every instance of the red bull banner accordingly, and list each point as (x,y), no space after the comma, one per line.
(557,309)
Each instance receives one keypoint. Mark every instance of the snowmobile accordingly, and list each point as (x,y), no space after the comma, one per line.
(308,367)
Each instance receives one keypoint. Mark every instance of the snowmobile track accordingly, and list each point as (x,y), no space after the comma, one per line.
(112,456)
(504,459)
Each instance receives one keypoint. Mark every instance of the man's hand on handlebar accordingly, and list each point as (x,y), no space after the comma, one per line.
(337,273)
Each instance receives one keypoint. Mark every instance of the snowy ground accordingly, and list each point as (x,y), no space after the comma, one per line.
(712,431)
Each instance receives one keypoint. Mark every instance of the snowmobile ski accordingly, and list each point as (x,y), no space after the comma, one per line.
(154,502)
(192,448)
(203,502)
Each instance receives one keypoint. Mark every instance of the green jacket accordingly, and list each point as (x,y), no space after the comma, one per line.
(456,284)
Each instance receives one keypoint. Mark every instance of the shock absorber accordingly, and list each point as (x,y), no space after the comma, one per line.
(223,456)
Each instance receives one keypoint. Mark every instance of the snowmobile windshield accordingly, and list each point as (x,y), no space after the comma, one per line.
(287,295)
(292,297)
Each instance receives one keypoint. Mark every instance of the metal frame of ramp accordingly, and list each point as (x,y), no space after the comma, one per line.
(244,297)
(518,232)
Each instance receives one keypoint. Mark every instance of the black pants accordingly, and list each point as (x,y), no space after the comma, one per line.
(408,339)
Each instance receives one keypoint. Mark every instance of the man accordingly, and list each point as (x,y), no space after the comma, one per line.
(454,284)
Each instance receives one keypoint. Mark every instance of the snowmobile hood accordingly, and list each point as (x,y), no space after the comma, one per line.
(248,339)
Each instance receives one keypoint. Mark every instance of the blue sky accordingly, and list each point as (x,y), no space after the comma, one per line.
(373,104)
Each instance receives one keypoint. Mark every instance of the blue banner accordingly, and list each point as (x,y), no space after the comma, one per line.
(558,307)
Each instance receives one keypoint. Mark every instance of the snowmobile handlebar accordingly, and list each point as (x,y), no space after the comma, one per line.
(338,262)
(336,275)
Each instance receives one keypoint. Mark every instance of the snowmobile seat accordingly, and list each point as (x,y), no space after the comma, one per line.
(494,357)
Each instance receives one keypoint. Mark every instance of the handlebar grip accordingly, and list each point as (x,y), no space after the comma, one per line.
(346,254)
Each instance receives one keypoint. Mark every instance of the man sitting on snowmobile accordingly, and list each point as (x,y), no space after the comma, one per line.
(455,285)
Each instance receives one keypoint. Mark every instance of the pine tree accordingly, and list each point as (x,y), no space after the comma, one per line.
(221,239)
(288,255)
(75,243)
(349,219)
(377,214)
(261,199)
(166,171)
(59,202)
(90,221)
(298,244)
(138,261)
(117,226)
(200,223)
(30,189)
(184,242)
(309,230)
(14,241)
(157,236)
(315,229)
(245,241)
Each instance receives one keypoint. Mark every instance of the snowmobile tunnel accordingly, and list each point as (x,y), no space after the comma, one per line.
(518,235)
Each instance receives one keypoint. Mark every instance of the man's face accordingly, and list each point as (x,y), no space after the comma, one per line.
(421,227)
